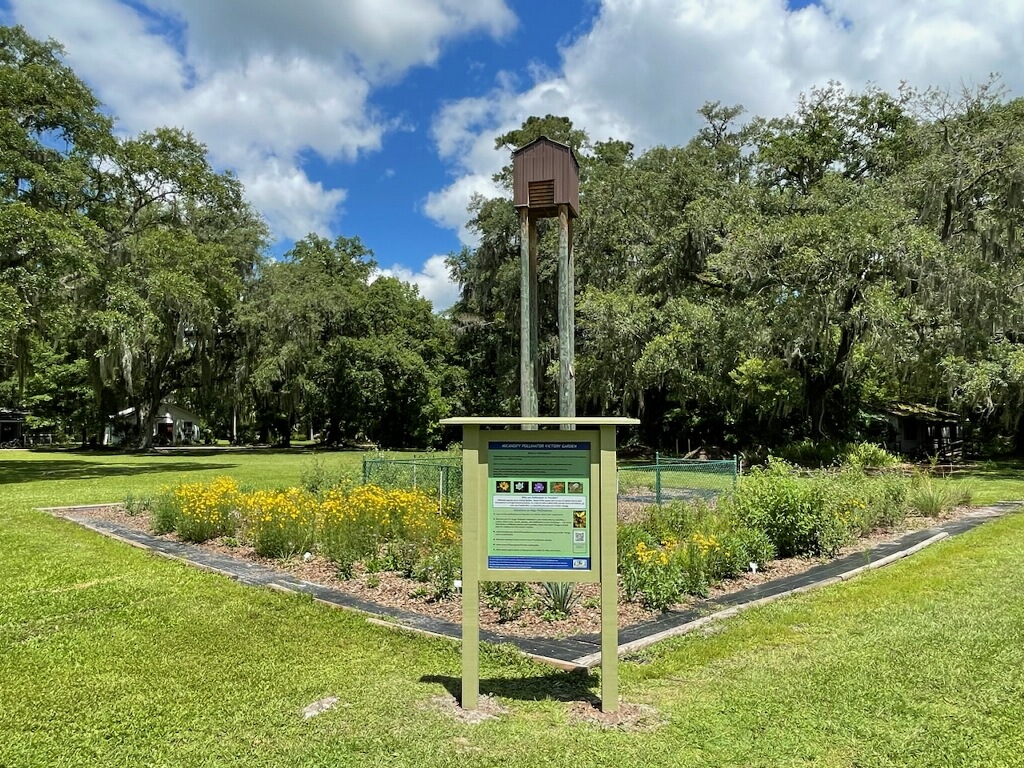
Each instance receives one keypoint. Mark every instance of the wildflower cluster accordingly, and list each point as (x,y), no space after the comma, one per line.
(681,550)
(361,523)
(393,529)
(205,510)
(279,523)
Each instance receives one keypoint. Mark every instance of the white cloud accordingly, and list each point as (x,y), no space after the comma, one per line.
(434,281)
(261,82)
(644,68)
(448,206)
(385,37)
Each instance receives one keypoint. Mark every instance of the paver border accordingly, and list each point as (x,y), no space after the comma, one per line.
(570,653)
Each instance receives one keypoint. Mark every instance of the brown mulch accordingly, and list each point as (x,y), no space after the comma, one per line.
(392,590)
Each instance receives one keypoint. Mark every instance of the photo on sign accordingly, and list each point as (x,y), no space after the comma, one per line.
(579,519)
(540,487)
(558,487)
(521,486)
(576,487)
(502,486)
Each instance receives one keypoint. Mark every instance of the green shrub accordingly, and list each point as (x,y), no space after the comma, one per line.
(509,599)
(164,513)
(817,514)
(813,453)
(827,453)
(868,455)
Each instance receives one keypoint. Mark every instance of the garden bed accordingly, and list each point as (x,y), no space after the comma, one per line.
(390,589)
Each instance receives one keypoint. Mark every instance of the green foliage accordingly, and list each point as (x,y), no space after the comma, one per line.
(164,513)
(558,599)
(825,453)
(319,477)
(817,514)
(113,619)
(509,599)
(864,455)
(359,358)
(934,497)
(440,569)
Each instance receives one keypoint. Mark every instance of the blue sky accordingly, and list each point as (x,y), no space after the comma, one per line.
(377,118)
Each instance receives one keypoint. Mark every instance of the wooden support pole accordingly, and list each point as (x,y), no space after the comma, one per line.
(566,316)
(471,536)
(609,574)
(527,312)
(535,313)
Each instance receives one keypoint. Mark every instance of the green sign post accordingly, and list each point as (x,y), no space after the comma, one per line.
(539,505)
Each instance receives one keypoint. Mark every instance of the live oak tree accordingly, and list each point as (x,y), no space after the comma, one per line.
(181,243)
(53,141)
(350,353)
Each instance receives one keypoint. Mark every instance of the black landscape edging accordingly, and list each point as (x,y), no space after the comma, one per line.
(569,650)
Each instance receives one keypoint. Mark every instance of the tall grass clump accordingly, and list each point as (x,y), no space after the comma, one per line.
(934,497)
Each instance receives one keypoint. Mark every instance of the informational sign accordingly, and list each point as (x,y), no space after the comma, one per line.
(539,506)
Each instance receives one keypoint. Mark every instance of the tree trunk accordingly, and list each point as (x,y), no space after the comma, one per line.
(146,412)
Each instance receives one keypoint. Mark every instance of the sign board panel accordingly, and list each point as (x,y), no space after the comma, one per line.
(539,509)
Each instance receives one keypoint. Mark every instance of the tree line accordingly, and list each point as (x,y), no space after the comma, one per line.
(768,280)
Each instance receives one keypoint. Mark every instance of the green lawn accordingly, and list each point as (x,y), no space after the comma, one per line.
(997,481)
(110,656)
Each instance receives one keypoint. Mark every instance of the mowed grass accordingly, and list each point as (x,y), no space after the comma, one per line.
(51,478)
(996,481)
(110,656)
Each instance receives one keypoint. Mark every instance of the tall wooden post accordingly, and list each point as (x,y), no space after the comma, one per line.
(527,314)
(566,316)
(546,184)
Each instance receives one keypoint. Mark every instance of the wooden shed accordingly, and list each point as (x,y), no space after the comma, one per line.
(11,424)
(546,174)
(918,430)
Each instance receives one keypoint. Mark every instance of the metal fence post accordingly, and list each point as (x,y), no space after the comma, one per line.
(440,489)
(657,482)
(364,469)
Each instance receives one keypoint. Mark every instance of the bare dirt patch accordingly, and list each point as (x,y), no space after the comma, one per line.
(628,717)
(488,708)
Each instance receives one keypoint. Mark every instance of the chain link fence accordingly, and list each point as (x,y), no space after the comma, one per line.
(639,485)
(670,479)
(440,478)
